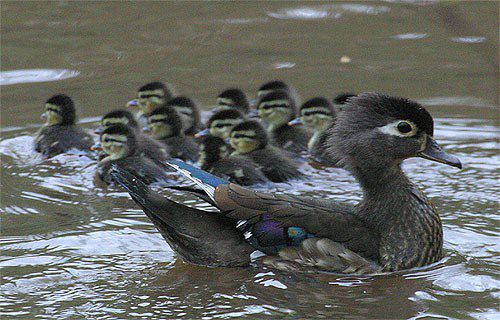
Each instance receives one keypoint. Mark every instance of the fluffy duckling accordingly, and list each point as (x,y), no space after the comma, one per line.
(249,139)
(276,109)
(146,145)
(165,125)
(120,145)
(149,97)
(215,158)
(221,123)
(277,85)
(59,133)
(189,113)
(318,115)
(233,98)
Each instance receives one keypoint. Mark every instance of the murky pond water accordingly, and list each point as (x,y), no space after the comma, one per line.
(71,250)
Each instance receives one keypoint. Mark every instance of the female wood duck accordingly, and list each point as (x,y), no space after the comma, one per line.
(221,123)
(233,98)
(393,227)
(249,139)
(166,126)
(120,145)
(149,97)
(276,109)
(318,115)
(146,145)
(189,113)
(215,158)
(59,133)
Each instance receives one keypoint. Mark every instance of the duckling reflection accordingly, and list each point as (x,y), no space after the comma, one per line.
(165,125)
(215,158)
(60,133)
(249,139)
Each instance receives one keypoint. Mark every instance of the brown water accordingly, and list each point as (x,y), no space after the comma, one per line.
(71,250)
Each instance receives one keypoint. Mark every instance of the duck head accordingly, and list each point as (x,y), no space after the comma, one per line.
(187,110)
(119,116)
(118,141)
(316,113)
(222,122)
(233,98)
(59,110)
(276,109)
(164,122)
(271,86)
(150,96)
(377,132)
(248,136)
(212,149)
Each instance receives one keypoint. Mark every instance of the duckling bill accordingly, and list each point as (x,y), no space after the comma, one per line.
(394,226)
(60,133)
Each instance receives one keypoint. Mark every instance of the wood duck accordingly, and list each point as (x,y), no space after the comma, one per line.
(120,145)
(215,158)
(189,113)
(276,109)
(146,145)
(233,98)
(318,115)
(393,227)
(60,133)
(221,123)
(149,97)
(165,126)
(249,139)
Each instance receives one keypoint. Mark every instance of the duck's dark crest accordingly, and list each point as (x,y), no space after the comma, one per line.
(343,97)
(155,85)
(120,113)
(396,107)
(225,114)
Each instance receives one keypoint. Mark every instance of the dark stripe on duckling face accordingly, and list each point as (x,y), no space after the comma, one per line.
(247,137)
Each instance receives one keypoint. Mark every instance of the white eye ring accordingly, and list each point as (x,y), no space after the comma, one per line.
(392,129)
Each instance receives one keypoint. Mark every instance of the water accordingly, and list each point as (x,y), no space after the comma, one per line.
(72,250)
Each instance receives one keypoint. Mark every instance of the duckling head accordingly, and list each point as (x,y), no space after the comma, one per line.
(212,149)
(271,86)
(187,110)
(164,122)
(222,122)
(377,132)
(59,110)
(276,108)
(233,98)
(150,96)
(248,136)
(118,141)
(317,114)
(119,116)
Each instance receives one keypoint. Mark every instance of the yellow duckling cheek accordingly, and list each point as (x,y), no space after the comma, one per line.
(53,118)
(244,146)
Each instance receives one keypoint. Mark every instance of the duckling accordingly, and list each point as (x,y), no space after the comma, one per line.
(233,98)
(394,227)
(215,158)
(149,97)
(277,109)
(189,113)
(59,133)
(317,114)
(277,85)
(146,145)
(340,100)
(165,125)
(221,123)
(249,139)
(120,145)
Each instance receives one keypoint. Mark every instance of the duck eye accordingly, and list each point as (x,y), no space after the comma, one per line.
(404,127)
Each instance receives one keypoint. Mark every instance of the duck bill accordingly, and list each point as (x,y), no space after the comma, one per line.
(96,147)
(434,152)
(99,130)
(295,122)
(202,133)
(254,113)
(132,103)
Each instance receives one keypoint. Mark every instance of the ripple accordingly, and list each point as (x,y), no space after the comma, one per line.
(334,11)
(410,36)
(468,39)
(35,75)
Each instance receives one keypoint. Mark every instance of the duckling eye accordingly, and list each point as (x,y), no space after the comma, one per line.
(404,127)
